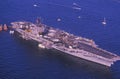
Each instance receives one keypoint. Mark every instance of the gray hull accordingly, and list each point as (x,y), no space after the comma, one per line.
(85,48)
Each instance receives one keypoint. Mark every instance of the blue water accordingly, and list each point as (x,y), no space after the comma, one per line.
(21,60)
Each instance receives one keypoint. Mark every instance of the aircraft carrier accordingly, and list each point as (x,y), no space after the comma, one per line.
(52,38)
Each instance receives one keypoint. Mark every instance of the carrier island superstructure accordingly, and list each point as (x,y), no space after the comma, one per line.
(51,38)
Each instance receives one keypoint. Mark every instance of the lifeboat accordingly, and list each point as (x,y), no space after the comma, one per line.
(0,27)
(5,27)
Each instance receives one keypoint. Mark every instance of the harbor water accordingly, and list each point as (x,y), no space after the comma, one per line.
(20,59)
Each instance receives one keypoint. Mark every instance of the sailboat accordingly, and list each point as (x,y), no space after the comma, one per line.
(104,21)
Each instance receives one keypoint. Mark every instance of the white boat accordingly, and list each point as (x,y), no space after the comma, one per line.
(104,21)
(76,8)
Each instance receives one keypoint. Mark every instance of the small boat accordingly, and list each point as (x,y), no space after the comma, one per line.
(35,5)
(11,32)
(5,27)
(76,8)
(75,4)
(79,17)
(59,19)
(104,21)
(0,27)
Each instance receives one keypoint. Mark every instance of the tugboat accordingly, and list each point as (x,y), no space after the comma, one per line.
(5,27)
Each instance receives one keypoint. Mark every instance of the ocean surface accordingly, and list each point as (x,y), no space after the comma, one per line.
(22,60)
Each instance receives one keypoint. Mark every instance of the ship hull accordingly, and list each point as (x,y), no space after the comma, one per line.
(65,43)
(89,58)
(81,56)
(30,41)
